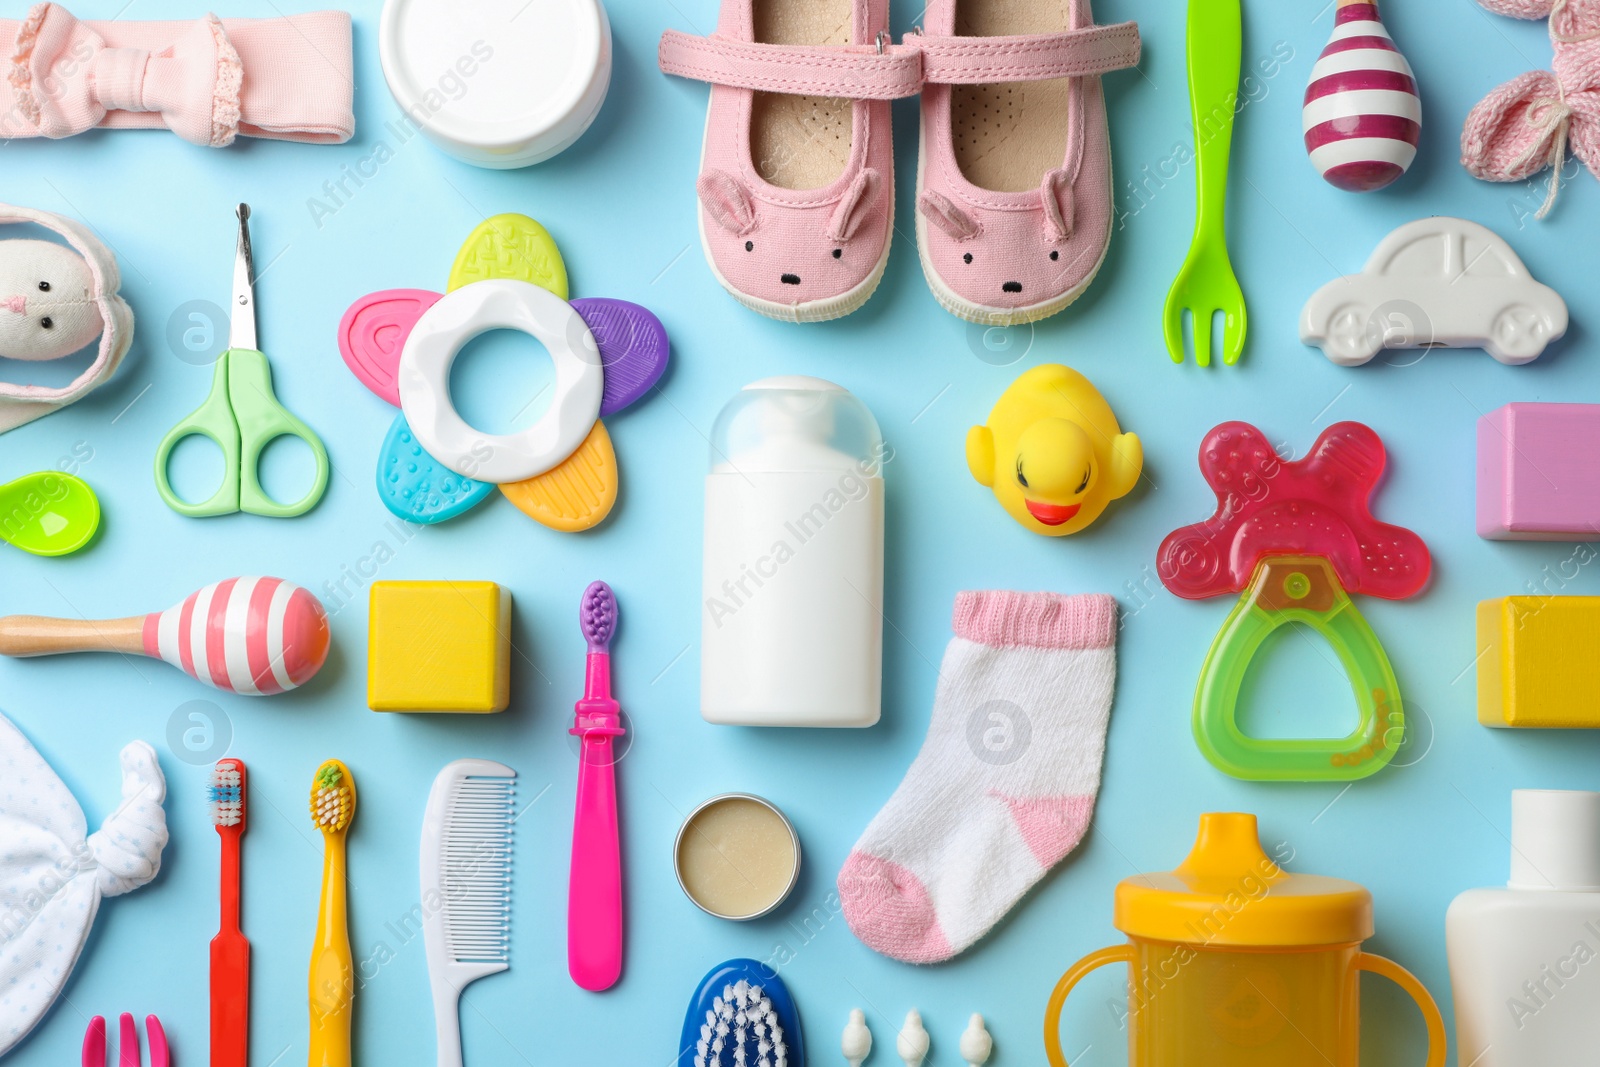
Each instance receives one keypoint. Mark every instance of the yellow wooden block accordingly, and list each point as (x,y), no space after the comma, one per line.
(438,646)
(1537,664)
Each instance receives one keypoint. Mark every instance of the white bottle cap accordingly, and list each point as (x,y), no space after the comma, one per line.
(796,423)
(1555,839)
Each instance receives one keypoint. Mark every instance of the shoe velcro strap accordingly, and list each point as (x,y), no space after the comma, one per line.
(1027,57)
(855,72)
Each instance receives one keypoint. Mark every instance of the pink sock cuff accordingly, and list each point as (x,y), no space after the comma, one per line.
(1003,619)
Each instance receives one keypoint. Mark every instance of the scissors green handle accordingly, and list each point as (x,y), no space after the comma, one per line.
(242,415)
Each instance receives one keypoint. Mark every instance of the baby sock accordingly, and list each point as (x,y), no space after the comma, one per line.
(1005,781)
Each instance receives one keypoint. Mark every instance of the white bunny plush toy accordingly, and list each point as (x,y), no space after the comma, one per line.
(55,299)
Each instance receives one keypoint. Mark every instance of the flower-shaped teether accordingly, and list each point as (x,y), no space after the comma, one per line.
(1295,538)
(562,470)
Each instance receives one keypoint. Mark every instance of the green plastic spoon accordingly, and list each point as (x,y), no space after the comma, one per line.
(1206,283)
(48,513)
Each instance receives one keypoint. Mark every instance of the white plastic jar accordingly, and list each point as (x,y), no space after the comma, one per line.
(792,586)
(495,83)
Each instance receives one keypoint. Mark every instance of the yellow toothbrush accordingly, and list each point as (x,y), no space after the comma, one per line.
(332,983)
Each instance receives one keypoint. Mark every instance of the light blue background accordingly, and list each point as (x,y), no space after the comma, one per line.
(620,204)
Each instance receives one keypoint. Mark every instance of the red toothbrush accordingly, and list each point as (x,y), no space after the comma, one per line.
(230,951)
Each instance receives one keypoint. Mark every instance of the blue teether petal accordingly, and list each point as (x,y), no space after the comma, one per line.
(419,488)
(633,348)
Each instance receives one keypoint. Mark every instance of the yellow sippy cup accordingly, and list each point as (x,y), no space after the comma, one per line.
(1235,962)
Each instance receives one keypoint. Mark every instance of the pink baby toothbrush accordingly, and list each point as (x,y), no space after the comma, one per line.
(594,894)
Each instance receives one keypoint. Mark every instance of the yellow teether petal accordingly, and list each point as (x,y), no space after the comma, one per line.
(576,495)
(510,246)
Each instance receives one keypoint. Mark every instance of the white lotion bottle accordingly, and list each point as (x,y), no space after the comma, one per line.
(1525,960)
(791,617)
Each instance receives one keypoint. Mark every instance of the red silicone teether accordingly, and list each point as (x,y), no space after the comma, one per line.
(1316,506)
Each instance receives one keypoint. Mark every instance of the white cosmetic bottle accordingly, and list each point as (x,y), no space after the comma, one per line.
(791,618)
(1525,960)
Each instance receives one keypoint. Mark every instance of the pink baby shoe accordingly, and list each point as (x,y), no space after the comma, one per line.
(1014,175)
(797,171)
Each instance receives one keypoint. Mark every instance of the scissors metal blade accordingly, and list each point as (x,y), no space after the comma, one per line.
(242,317)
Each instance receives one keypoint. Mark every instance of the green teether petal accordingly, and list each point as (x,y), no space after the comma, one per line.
(48,513)
(1303,589)
(213,419)
(510,246)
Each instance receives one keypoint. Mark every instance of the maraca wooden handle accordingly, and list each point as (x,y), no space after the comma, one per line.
(36,635)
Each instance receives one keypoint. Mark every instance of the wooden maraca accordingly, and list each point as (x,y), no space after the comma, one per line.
(252,636)
(1362,115)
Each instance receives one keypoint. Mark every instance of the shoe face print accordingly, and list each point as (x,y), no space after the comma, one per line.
(1011,259)
(788,255)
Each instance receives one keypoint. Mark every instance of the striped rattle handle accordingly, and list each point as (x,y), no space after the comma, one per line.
(35,635)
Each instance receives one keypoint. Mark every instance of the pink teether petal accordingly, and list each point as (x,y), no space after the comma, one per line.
(373,332)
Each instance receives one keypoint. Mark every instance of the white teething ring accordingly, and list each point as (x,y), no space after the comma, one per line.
(424,379)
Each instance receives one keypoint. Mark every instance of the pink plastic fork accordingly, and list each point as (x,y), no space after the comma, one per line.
(94,1042)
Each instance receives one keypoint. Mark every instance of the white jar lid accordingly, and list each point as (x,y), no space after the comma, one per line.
(497,83)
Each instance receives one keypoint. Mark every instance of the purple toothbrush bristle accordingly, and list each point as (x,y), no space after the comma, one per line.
(598,616)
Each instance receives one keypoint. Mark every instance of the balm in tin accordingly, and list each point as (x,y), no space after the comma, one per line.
(737,856)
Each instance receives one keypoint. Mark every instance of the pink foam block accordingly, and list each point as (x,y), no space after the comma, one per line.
(1539,473)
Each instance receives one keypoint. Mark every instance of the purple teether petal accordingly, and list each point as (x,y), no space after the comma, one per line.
(633,348)
(597,615)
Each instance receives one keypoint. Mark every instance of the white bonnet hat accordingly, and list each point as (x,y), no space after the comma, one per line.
(53,872)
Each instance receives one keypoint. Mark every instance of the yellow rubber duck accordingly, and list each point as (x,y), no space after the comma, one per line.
(1052,451)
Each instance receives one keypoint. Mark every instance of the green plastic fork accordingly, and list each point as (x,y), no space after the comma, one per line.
(1206,283)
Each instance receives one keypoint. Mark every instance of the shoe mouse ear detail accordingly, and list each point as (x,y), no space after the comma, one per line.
(1055,195)
(855,206)
(938,209)
(727,200)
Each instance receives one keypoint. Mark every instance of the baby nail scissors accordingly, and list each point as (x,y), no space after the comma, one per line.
(241,415)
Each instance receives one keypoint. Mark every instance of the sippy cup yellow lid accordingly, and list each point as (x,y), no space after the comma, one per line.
(1229,892)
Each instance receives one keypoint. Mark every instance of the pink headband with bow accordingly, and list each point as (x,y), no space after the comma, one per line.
(1528,123)
(208,81)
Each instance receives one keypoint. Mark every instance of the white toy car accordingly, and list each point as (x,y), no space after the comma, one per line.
(1438,282)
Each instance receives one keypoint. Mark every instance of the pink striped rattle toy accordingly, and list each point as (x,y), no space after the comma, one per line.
(1362,114)
(252,636)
